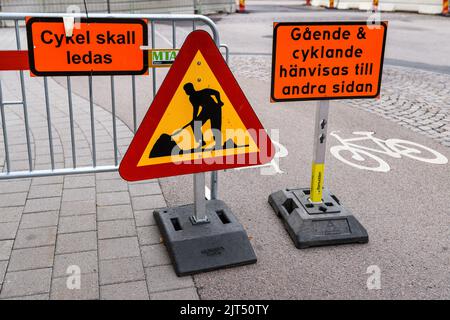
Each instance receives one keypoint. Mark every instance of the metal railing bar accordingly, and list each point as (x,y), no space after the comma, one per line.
(72,129)
(49,123)
(133,89)
(153,69)
(114,124)
(24,99)
(12,103)
(56,172)
(227,52)
(91,108)
(5,134)
(174,35)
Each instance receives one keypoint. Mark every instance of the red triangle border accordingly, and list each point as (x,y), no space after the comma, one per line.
(197,40)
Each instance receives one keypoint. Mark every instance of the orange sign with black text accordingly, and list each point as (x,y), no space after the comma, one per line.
(200,120)
(98,46)
(327,60)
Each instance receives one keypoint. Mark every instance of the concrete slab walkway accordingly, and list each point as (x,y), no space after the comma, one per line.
(95,225)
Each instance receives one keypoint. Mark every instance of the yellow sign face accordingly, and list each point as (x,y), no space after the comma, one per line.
(199,104)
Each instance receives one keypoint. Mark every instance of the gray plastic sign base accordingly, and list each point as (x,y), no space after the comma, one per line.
(312,225)
(220,243)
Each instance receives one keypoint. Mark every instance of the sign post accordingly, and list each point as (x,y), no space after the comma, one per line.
(318,165)
(200,215)
(323,61)
(199,121)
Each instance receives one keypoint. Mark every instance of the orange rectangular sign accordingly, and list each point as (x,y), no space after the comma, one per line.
(98,46)
(327,60)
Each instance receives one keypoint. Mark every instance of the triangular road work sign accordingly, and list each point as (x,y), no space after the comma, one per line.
(200,120)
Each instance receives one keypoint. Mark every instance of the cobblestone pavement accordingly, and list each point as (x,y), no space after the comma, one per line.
(97,222)
(415,99)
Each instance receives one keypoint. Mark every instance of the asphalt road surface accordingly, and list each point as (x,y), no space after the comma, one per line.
(405,210)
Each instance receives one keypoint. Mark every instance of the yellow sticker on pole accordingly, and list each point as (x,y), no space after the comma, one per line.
(318,170)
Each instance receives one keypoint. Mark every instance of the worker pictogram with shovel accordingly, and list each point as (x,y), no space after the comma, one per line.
(207,106)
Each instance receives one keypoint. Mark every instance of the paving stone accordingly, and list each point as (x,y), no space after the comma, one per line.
(148,235)
(155,255)
(86,261)
(61,289)
(145,189)
(125,291)
(31,258)
(11,214)
(5,249)
(3,266)
(81,194)
(143,182)
(78,208)
(13,199)
(104,186)
(38,237)
(75,182)
(144,218)
(8,230)
(113,198)
(107,176)
(76,242)
(77,224)
(180,294)
(118,248)
(47,180)
(149,202)
(84,161)
(163,278)
(115,212)
(21,165)
(40,219)
(44,296)
(45,191)
(121,270)
(405,104)
(42,204)
(13,186)
(116,229)
(26,283)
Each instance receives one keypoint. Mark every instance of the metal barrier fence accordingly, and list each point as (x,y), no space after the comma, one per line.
(96,143)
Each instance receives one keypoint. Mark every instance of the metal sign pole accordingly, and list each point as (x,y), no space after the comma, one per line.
(214,184)
(313,216)
(200,215)
(318,166)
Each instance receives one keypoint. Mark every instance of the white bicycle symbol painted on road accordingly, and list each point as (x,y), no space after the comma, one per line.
(362,157)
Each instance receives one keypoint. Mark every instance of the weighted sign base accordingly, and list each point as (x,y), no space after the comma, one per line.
(220,243)
(311,225)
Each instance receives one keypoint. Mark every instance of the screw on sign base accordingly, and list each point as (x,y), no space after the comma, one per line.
(195,248)
(321,224)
